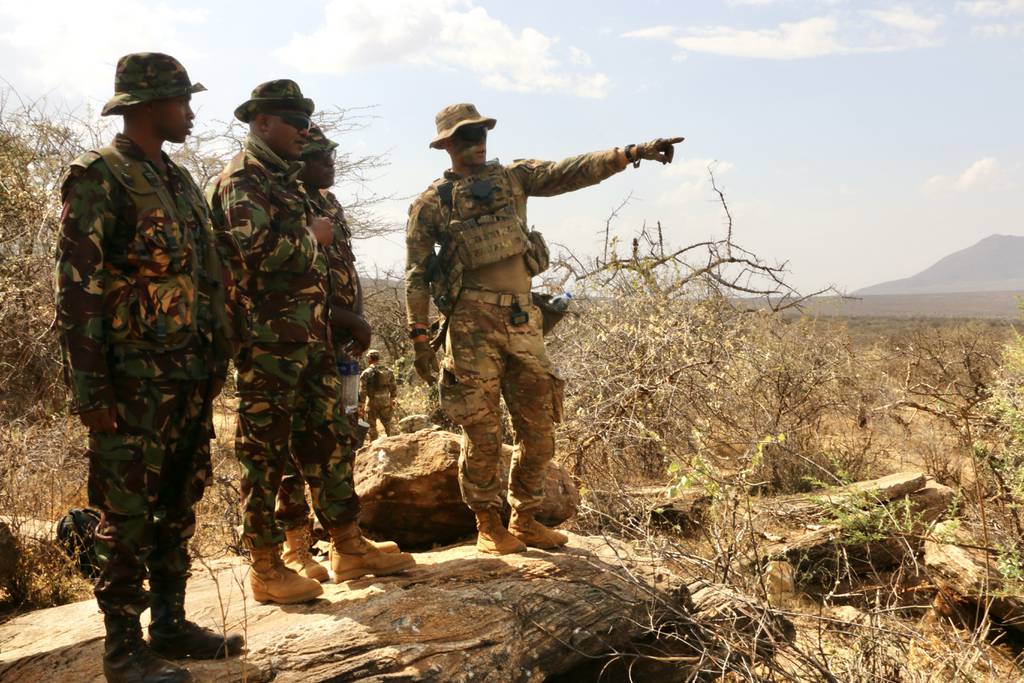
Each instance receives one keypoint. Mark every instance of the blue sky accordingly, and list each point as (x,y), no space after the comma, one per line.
(860,141)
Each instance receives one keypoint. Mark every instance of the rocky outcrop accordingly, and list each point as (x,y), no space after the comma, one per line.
(409,490)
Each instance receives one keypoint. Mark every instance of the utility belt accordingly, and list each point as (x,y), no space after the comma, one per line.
(517,299)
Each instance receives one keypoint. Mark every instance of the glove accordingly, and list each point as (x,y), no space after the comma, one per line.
(426,361)
(656,150)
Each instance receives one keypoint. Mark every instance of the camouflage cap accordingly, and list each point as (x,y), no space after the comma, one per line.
(316,141)
(282,93)
(147,76)
(453,117)
(373,354)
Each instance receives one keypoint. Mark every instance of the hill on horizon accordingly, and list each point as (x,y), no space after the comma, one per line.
(994,264)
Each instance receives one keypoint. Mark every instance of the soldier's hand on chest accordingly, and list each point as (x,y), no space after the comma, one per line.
(323,230)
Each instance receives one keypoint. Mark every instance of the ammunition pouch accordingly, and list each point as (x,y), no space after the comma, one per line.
(484,240)
(538,256)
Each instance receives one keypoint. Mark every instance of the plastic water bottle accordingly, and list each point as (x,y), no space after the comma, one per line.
(349,371)
(561,302)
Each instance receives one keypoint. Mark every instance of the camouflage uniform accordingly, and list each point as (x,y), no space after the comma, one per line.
(138,286)
(287,377)
(482,219)
(345,291)
(377,391)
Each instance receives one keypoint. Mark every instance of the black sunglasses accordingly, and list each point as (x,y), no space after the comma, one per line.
(474,134)
(296,120)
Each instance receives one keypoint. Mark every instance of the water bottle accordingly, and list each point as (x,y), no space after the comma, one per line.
(561,302)
(349,371)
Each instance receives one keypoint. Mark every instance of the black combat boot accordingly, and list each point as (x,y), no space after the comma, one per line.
(127,658)
(173,636)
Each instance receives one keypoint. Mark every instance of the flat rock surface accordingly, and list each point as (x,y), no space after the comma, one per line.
(458,616)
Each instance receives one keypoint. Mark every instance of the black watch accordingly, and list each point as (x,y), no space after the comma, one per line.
(630,152)
(418,332)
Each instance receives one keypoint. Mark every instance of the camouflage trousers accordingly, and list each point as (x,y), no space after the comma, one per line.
(288,411)
(488,357)
(145,479)
(292,510)
(384,411)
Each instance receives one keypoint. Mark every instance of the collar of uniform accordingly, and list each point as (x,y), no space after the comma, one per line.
(259,149)
(125,145)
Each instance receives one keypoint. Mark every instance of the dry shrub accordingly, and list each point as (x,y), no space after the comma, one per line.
(686,375)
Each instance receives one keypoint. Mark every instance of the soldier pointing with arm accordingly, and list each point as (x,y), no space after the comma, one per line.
(480,279)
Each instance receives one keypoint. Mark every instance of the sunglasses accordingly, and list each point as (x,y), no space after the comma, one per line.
(296,120)
(471,134)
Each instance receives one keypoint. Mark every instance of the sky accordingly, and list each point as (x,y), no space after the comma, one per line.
(857,141)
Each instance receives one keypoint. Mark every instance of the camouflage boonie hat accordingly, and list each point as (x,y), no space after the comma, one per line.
(147,76)
(373,354)
(316,141)
(283,93)
(453,117)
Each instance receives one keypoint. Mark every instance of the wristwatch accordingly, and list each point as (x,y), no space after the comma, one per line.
(418,332)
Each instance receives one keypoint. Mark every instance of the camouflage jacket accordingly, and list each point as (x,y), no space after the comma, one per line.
(377,382)
(345,288)
(281,271)
(428,217)
(132,295)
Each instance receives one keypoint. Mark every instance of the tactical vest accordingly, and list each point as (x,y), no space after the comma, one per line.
(156,276)
(482,227)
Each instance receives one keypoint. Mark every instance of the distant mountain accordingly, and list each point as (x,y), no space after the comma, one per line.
(996,263)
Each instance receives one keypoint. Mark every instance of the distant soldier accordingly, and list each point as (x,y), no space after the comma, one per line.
(377,391)
(288,385)
(350,335)
(143,326)
(480,280)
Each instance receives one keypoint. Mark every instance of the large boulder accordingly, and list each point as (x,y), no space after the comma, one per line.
(408,490)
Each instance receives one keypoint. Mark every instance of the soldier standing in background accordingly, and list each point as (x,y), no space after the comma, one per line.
(350,335)
(480,281)
(143,327)
(377,391)
(288,384)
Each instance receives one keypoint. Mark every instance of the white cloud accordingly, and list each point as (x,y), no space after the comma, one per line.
(71,44)
(662,31)
(809,38)
(989,31)
(691,181)
(843,33)
(984,173)
(991,8)
(904,17)
(579,57)
(452,34)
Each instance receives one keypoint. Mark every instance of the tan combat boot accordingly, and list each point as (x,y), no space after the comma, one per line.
(492,536)
(531,532)
(297,556)
(353,556)
(272,581)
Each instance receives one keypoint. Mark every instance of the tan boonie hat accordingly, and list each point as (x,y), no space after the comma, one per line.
(147,76)
(453,117)
(373,354)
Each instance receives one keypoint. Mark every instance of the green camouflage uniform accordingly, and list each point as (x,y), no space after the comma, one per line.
(135,288)
(287,377)
(487,356)
(344,292)
(377,391)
